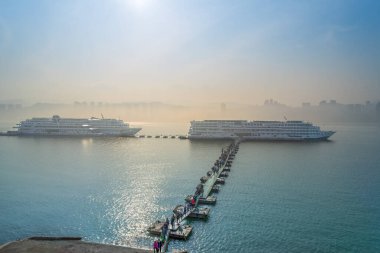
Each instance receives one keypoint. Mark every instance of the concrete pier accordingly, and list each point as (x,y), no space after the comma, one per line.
(63,245)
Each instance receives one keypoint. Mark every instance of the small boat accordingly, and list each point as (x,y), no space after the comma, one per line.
(215,188)
(210,200)
(224,174)
(182,233)
(227,168)
(220,181)
(204,179)
(200,213)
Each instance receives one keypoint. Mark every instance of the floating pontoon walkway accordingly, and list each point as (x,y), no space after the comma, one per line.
(175,228)
(175,136)
(216,176)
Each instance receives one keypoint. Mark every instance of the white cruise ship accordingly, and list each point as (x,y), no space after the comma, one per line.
(57,126)
(257,130)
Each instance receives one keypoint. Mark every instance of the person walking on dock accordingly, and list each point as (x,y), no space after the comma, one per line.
(172,221)
(193,201)
(155,246)
(159,246)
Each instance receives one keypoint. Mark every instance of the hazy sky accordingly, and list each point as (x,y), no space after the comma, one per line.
(190,51)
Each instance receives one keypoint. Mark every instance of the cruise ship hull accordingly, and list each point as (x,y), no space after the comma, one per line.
(130,133)
(248,138)
(72,127)
(256,131)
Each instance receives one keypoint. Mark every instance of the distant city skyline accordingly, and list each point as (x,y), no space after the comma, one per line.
(190,52)
(270,101)
(325,111)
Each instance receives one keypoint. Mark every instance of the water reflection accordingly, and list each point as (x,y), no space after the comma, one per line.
(132,205)
(86,143)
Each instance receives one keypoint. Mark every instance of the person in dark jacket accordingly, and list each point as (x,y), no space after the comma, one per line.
(160,245)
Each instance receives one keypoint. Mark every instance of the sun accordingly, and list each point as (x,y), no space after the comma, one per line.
(139,4)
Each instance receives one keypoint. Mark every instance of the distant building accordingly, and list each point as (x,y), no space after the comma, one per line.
(270,102)
(306,104)
(355,108)
(10,106)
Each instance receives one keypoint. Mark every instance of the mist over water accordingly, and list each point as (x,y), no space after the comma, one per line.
(279,197)
(159,65)
(325,112)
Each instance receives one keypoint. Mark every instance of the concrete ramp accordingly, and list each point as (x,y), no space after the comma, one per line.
(63,245)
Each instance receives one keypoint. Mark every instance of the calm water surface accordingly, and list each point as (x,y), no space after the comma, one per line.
(279,197)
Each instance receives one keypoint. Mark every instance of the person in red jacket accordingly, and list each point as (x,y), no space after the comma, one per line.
(155,246)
